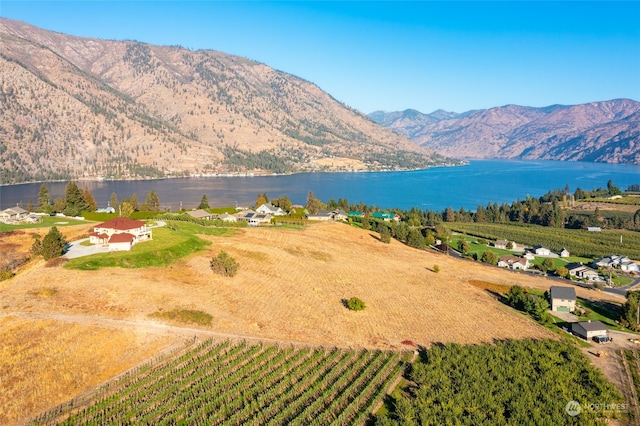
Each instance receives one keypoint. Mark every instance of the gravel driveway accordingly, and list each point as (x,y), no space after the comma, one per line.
(75,249)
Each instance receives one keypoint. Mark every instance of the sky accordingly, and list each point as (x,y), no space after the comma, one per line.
(391,56)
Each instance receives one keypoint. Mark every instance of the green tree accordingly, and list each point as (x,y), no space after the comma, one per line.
(630,312)
(113,200)
(463,245)
(204,202)
(415,239)
(365,222)
(152,202)
(52,245)
(89,200)
(385,233)
(261,199)
(402,232)
(489,257)
(30,206)
(44,200)
(283,202)
(547,263)
(562,272)
(636,218)
(59,205)
(126,209)
(75,202)
(313,204)
(449,215)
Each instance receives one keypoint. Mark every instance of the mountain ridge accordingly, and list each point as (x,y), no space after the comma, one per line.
(602,131)
(83,107)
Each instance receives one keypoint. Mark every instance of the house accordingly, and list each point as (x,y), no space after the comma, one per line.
(355,214)
(578,270)
(589,329)
(593,229)
(245,215)
(13,214)
(528,254)
(226,217)
(617,261)
(321,215)
(339,215)
(386,216)
(541,251)
(563,299)
(564,252)
(200,214)
(120,233)
(513,262)
(259,218)
(504,244)
(269,208)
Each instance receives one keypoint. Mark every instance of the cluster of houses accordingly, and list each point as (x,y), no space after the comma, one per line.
(576,270)
(16,215)
(563,299)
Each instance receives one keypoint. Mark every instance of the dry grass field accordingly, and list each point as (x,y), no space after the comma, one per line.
(289,287)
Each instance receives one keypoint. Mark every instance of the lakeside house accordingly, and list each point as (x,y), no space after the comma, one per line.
(269,208)
(13,214)
(563,299)
(120,233)
(541,251)
(386,216)
(504,245)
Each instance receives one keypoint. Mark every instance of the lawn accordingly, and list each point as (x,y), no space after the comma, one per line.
(47,221)
(476,248)
(170,243)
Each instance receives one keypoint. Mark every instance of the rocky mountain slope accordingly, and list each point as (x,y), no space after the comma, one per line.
(74,107)
(606,131)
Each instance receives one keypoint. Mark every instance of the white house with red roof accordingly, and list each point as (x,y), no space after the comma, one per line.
(120,233)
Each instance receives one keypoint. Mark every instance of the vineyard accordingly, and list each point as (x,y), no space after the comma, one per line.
(578,242)
(241,383)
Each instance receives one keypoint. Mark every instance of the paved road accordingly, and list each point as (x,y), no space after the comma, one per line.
(76,249)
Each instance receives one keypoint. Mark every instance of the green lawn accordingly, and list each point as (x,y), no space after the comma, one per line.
(476,247)
(605,312)
(170,243)
(47,222)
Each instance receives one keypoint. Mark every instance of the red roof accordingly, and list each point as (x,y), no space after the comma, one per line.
(121,238)
(122,224)
(98,235)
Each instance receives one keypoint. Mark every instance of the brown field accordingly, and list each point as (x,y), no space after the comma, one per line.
(290,287)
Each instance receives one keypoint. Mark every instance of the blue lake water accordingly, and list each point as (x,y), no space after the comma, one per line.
(480,182)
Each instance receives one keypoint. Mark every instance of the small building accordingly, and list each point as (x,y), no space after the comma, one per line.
(226,217)
(200,214)
(339,215)
(564,252)
(355,214)
(245,215)
(321,215)
(504,244)
(513,262)
(593,229)
(581,271)
(589,329)
(259,219)
(563,299)
(541,251)
(13,214)
(386,216)
(121,242)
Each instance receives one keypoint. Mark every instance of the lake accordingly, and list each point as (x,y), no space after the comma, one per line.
(480,182)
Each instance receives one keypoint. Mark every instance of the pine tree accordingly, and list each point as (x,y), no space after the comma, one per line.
(204,203)
(152,202)
(52,245)
(44,200)
(261,199)
(89,200)
(75,203)
(113,200)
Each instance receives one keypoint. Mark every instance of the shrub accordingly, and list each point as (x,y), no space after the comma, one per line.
(355,304)
(224,264)
(5,274)
(436,268)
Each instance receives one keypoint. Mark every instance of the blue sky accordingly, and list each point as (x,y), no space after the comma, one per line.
(392,56)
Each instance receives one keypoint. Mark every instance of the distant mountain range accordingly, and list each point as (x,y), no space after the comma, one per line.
(607,131)
(75,107)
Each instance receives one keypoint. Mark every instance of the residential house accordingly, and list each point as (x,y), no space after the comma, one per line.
(107,209)
(259,219)
(541,251)
(578,270)
(120,233)
(528,254)
(563,299)
(339,215)
(245,215)
(386,216)
(13,214)
(589,329)
(226,217)
(513,262)
(321,215)
(617,261)
(200,214)
(564,252)
(504,244)
(269,208)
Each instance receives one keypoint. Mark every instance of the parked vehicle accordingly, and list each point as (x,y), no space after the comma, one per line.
(601,339)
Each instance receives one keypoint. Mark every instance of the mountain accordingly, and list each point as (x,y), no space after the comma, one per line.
(607,131)
(75,107)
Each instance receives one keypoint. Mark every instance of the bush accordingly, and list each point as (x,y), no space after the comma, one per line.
(355,304)
(5,274)
(436,268)
(224,264)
